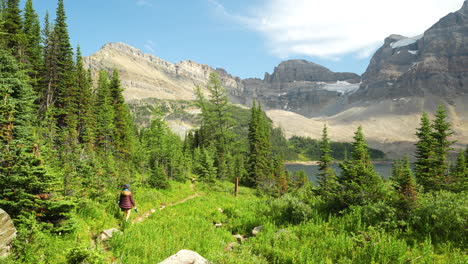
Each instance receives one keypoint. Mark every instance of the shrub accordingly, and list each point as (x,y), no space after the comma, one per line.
(82,255)
(288,209)
(443,216)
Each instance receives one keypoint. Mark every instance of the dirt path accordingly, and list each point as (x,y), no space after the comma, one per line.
(145,215)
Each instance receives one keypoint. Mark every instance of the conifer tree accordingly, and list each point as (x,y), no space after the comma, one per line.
(359,181)
(13,28)
(327,179)
(280,176)
(123,125)
(404,181)
(104,113)
(216,122)
(25,186)
(3,7)
(442,145)
(33,49)
(259,163)
(64,67)
(85,102)
(49,71)
(459,174)
(424,166)
(300,179)
(204,164)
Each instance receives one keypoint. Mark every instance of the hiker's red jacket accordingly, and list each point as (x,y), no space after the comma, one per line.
(126,200)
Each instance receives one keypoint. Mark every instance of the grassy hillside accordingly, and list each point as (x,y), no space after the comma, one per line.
(296,229)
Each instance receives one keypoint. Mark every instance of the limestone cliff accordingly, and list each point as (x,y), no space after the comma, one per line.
(434,63)
(147,76)
(303,87)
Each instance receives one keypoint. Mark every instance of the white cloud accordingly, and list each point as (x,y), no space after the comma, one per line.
(150,46)
(333,28)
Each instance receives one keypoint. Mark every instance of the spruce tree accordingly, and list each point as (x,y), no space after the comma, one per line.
(424,166)
(85,103)
(441,132)
(104,113)
(327,179)
(33,49)
(204,164)
(64,67)
(49,72)
(3,7)
(359,181)
(260,156)
(459,174)
(300,179)
(25,186)
(12,27)
(123,124)
(404,181)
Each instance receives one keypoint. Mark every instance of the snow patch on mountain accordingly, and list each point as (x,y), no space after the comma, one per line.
(406,41)
(342,87)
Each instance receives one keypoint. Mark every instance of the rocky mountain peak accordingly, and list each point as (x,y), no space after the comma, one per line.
(393,38)
(464,8)
(302,70)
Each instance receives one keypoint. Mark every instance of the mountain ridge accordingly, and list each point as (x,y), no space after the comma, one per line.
(406,76)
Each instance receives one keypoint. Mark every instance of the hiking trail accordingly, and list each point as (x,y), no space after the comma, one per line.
(147,214)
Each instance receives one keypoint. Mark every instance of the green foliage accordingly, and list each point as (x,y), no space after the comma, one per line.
(327,180)
(442,145)
(158,179)
(12,26)
(24,182)
(310,148)
(123,136)
(216,123)
(404,182)
(288,209)
(260,154)
(33,50)
(423,167)
(442,216)
(459,174)
(204,164)
(82,255)
(163,152)
(104,112)
(299,179)
(432,149)
(359,182)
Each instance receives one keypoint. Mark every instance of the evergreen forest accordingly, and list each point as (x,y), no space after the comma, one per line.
(69,142)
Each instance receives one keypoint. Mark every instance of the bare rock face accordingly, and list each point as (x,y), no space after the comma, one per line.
(302,70)
(185,256)
(7,233)
(147,76)
(303,87)
(435,63)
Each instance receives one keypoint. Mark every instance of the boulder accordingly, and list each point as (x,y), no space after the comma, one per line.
(239,238)
(185,256)
(108,233)
(7,233)
(257,230)
(231,246)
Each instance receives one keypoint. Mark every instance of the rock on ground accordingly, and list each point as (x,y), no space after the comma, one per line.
(106,234)
(7,233)
(185,256)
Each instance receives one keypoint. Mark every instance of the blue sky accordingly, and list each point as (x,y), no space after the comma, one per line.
(249,37)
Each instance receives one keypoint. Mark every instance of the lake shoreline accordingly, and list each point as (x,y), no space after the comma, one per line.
(316,162)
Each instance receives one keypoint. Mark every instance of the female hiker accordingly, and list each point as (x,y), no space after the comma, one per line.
(126,202)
